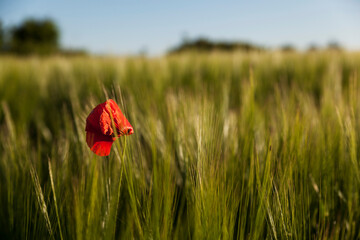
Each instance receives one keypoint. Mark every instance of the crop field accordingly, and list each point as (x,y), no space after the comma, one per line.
(226,146)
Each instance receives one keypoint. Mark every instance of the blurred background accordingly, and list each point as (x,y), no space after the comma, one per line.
(154,28)
(246,118)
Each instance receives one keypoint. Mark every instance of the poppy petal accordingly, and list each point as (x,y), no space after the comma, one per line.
(103,122)
(99,120)
(99,144)
(122,125)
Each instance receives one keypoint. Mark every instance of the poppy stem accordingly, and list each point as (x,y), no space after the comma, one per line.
(123,156)
(119,188)
(56,208)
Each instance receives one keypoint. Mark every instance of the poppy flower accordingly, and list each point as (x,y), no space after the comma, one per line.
(100,132)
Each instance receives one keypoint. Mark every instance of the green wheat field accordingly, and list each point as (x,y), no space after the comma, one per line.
(225,146)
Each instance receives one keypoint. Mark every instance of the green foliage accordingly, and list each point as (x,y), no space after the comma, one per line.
(35,37)
(288,48)
(1,36)
(226,146)
(206,45)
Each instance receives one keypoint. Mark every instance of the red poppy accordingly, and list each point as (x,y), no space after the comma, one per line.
(100,134)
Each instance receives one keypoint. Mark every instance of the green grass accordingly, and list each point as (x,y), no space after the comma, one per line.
(226,146)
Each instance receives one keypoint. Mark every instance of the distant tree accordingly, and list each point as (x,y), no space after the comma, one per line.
(2,40)
(73,52)
(313,48)
(35,36)
(288,48)
(206,45)
(334,45)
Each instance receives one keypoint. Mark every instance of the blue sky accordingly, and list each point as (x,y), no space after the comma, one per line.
(128,27)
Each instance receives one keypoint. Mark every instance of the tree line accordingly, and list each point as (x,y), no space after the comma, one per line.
(208,45)
(33,36)
(41,37)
